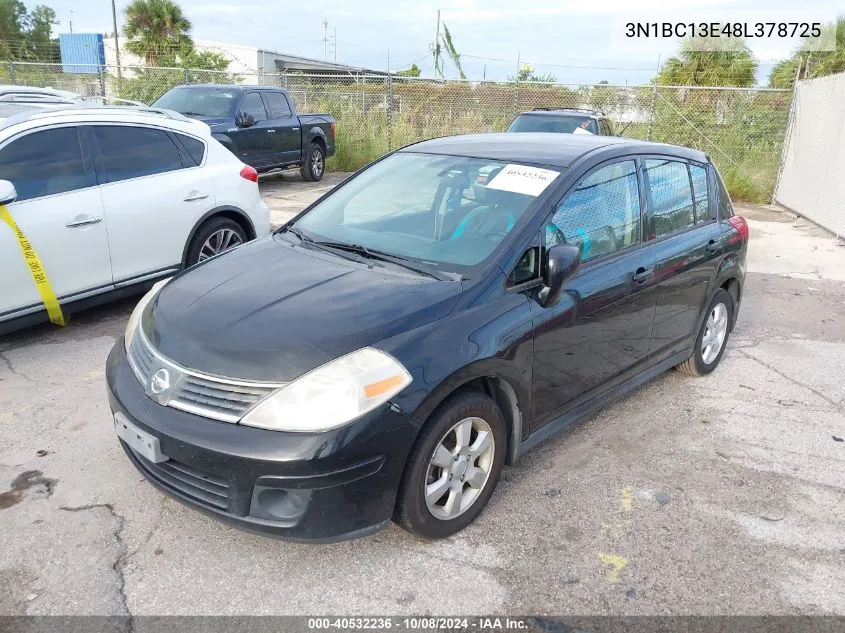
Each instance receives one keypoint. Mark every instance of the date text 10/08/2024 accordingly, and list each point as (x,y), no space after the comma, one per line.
(723,29)
(425,623)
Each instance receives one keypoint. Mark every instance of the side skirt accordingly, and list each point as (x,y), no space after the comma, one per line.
(582,410)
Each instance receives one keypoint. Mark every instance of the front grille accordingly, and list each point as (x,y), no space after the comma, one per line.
(203,487)
(215,397)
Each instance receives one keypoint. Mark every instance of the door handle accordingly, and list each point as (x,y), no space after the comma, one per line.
(195,195)
(271,131)
(714,246)
(83,220)
(295,129)
(643,274)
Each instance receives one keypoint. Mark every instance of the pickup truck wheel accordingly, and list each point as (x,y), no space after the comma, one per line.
(315,163)
(212,238)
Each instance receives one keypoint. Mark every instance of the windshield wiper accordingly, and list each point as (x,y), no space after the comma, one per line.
(399,260)
(290,228)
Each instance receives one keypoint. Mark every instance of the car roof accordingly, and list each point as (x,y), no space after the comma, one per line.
(237,87)
(57,114)
(594,114)
(543,148)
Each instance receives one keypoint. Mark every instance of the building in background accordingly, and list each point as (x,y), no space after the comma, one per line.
(251,64)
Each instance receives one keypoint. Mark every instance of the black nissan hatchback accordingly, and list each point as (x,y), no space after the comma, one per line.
(385,353)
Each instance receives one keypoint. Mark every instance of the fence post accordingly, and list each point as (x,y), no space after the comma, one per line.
(651,118)
(787,134)
(12,72)
(186,76)
(389,112)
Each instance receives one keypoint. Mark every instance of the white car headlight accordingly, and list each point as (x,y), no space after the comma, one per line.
(135,317)
(332,395)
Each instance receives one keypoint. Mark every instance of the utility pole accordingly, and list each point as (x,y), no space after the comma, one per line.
(71,22)
(437,45)
(116,42)
(325,40)
(334,44)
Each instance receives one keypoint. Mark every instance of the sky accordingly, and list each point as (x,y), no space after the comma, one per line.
(575,41)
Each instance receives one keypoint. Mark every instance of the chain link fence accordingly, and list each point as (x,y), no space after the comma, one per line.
(811,182)
(741,129)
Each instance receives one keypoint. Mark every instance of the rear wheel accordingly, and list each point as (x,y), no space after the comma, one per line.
(315,163)
(214,237)
(713,336)
(454,467)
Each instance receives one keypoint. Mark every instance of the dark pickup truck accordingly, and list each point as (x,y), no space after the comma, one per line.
(259,125)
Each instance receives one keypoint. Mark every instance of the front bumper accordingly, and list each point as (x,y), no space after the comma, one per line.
(316,487)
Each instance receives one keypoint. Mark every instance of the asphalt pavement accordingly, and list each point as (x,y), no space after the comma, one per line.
(715,495)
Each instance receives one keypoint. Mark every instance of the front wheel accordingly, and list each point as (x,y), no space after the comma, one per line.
(212,238)
(454,467)
(713,336)
(315,163)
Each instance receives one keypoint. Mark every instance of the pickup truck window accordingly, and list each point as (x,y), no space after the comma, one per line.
(199,102)
(277,105)
(254,106)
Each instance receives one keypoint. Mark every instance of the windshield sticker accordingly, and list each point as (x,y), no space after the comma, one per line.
(531,181)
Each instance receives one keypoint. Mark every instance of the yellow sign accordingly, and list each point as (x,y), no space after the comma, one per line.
(33,262)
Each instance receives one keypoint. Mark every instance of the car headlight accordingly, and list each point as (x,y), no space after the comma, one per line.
(332,395)
(135,317)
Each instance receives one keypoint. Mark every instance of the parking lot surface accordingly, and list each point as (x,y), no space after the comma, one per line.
(716,495)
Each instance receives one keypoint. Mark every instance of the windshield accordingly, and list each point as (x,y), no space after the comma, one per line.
(449,212)
(199,102)
(557,123)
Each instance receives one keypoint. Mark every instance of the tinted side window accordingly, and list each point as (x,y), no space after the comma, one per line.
(131,152)
(699,192)
(726,209)
(602,214)
(194,147)
(277,105)
(44,163)
(671,195)
(253,106)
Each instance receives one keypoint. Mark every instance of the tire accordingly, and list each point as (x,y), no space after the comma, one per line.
(703,360)
(314,167)
(212,227)
(440,435)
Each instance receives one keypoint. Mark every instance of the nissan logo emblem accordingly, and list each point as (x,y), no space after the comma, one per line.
(160,381)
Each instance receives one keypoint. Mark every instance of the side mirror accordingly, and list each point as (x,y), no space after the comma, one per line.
(7,192)
(562,261)
(244,119)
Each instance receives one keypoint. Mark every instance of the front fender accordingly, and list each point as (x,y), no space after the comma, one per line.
(490,340)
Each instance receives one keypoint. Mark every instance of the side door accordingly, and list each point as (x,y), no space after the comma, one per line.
(153,195)
(687,242)
(59,212)
(286,133)
(598,334)
(253,144)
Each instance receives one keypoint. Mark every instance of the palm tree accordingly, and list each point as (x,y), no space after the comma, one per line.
(809,63)
(445,42)
(709,63)
(156,28)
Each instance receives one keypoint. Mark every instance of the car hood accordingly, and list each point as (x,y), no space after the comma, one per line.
(269,311)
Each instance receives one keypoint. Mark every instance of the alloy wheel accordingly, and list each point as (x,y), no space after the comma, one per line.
(317,163)
(715,331)
(459,468)
(219,241)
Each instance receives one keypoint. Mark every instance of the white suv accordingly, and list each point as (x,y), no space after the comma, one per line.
(113,199)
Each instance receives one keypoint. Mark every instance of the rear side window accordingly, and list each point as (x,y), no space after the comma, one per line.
(44,163)
(698,175)
(194,147)
(726,209)
(131,152)
(254,106)
(671,195)
(277,105)
(602,214)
